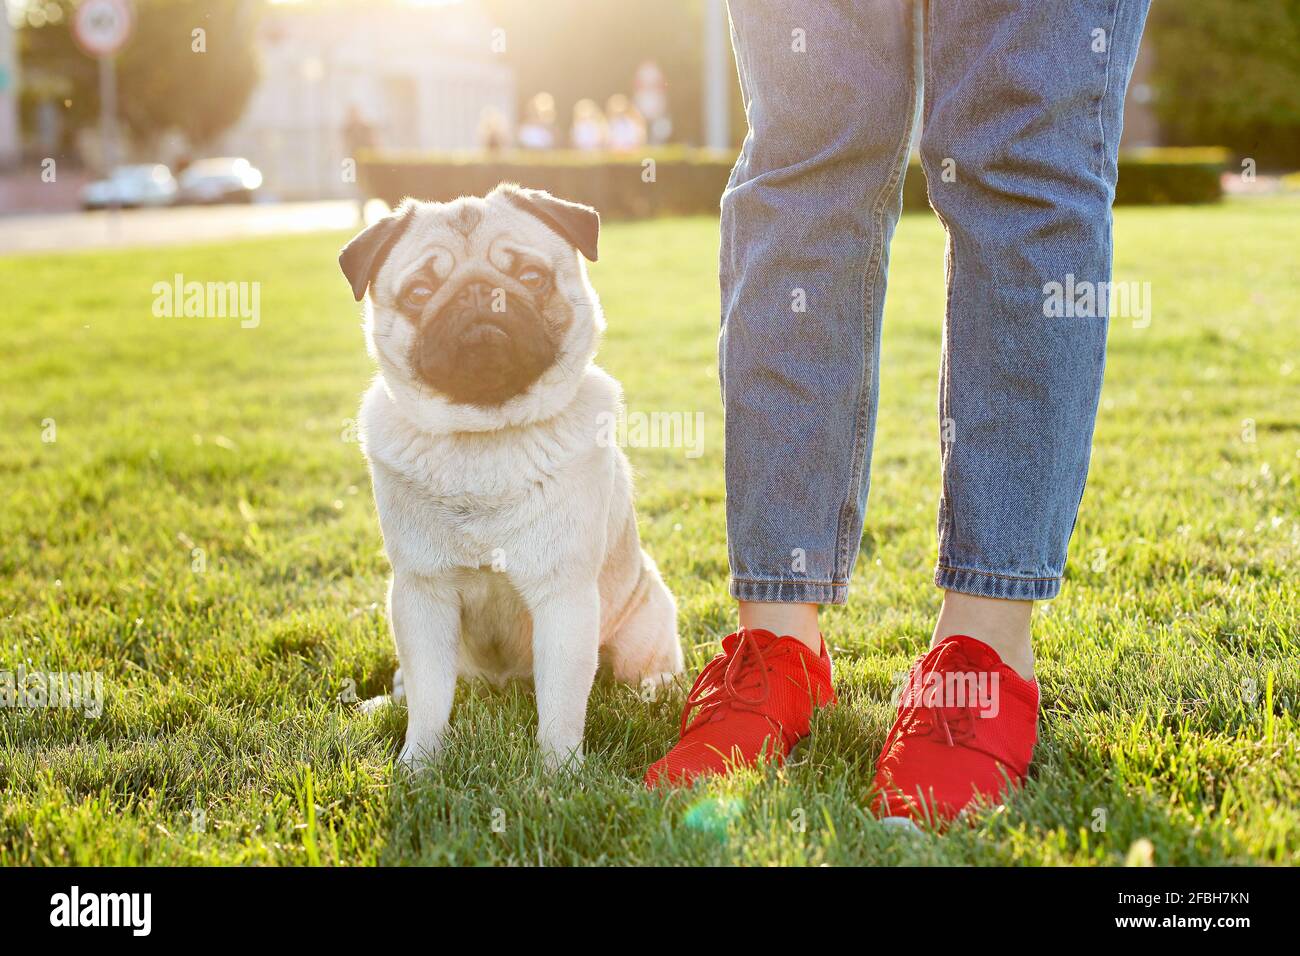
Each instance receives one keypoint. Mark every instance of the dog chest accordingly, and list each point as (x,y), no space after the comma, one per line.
(496,628)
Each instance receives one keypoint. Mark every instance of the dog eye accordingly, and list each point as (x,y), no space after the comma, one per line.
(417,295)
(532,278)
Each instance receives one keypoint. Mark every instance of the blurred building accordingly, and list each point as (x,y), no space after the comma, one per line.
(10,147)
(420,77)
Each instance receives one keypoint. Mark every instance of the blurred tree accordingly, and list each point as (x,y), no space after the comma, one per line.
(1226,74)
(169,77)
(575,49)
(174,77)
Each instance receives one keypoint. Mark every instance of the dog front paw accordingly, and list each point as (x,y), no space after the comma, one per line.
(557,757)
(416,755)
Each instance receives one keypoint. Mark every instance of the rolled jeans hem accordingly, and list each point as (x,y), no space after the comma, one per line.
(989,584)
(789,592)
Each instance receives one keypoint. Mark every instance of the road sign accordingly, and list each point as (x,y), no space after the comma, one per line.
(102,27)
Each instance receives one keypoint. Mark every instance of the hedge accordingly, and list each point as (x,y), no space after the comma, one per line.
(1163,175)
(683,181)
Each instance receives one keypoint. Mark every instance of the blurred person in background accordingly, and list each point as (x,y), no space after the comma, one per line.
(493,132)
(588,131)
(358,132)
(626,125)
(358,136)
(538,128)
(650,94)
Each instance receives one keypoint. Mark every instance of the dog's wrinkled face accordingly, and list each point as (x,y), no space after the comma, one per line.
(479,310)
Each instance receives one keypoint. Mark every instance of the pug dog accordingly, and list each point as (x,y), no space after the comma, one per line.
(505,509)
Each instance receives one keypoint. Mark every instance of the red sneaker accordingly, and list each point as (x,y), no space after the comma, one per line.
(755,699)
(966,728)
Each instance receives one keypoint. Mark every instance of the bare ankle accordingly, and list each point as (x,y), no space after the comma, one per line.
(784,620)
(1002,625)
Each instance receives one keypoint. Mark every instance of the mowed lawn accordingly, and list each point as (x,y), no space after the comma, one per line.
(201,533)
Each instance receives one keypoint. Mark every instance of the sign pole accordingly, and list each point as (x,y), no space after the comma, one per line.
(108,128)
(101,28)
(108,110)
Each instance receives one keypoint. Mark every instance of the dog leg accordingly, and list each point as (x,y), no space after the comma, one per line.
(373,705)
(426,628)
(566,651)
(646,651)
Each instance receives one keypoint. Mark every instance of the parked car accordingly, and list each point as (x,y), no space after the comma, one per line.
(222,179)
(147,184)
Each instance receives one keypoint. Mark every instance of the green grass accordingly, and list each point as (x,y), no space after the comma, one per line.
(1169,664)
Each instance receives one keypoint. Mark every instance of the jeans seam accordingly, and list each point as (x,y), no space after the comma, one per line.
(945,523)
(994,574)
(1108,244)
(785,592)
(750,579)
(874,260)
(992,585)
(927,27)
(1105,89)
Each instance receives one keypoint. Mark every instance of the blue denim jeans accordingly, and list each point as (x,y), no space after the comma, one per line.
(1019,105)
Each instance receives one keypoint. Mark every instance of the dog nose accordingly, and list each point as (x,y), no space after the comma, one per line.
(476,296)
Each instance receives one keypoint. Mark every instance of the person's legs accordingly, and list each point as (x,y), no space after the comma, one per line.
(1023,109)
(831,96)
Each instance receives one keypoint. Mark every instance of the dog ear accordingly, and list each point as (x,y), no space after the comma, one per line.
(578,223)
(363,257)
